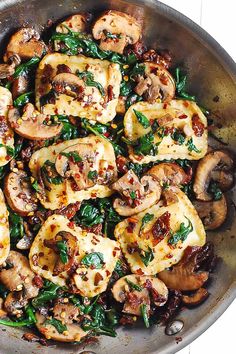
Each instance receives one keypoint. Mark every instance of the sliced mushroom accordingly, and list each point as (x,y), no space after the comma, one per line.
(212,213)
(19,86)
(3,313)
(137,195)
(151,290)
(183,276)
(26,241)
(197,298)
(8,69)
(157,82)
(68,84)
(71,247)
(217,165)
(75,23)
(168,174)
(32,124)
(19,193)
(19,279)
(26,43)
(116,30)
(74,332)
(67,312)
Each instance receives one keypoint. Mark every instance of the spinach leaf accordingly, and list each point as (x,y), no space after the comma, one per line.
(146,256)
(111,217)
(143,120)
(28,321)
(23,99)
(47,293)
(144,313)
(89,215)
(57,324)
(147,217)
(73,155)
(94,259)
(35,186)
(3,291)
(24,68)
(63,250)
(119,269)
(215,190)
(69,131)
(89,81)
(181,82)
(10,150)
(49,172)
(131,99)
(182,233)
(178,136)
(93,175)
(133,286)
(145,145)
(125,88)
(29,310)
(3,172)
(16,227)
(191,146)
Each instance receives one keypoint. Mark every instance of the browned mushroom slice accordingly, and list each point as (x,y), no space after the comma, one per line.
(168,174)
(26,43)
(217,165)
(19,193)
(136,195)
(116,30)
(32,124)
(212,213)
(67,312)
(19,279)
(156,83)
(68,84)
(65,245)
(134,290)
(75,23)
(3,313)
(197,298)
(19,86)
(9,68)
(182,276)
(74,332)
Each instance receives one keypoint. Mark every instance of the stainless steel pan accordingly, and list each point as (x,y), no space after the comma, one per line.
(211,73)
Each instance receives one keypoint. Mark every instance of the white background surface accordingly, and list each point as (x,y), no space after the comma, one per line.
(219,19)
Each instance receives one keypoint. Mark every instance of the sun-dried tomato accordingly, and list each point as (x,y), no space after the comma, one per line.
(198,126)
(161,228)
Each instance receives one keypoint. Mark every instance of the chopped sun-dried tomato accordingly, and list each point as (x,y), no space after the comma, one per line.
(198,126)
(161,228)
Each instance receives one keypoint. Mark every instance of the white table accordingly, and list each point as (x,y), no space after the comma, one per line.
(218,19)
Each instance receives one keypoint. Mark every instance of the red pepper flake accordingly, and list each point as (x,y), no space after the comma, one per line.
(169,256)
(107,134)
(94,195)
(45,267)
(108,273)
(98,277)
(161,228)
(130,227)
(133,247)
(71,224)
(183,116)
(38,281)
(185,103)
(139,271)
(114,253)
(197,125)
(52,227)
(164,105)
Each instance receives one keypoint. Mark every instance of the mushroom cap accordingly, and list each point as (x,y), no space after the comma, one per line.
(204,172)
(197,298)
(6,70)
(19,193)
(121,287)
(158,82)
(76,23)
(69,84)
(74,332)
(31,124)
(212,213)
(167,172)
(182,276)
(116,23)
(24,43)
(4,230)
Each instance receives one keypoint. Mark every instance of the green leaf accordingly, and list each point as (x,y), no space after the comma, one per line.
(178,136)
(191,146)
(143,120)
(47,293)
(182,233)
(145,145)
(144,313)
(73,155)
(89,215)
(147,256)
(94,259)
(23,99)
(49,167)
(181,82)
(119,269)
(35,186)
(131,99)
(10,150)
(16,227)
(133,286)
(63,251)
(16,324)
(132,195)
(57,324)
(89,81)
(215,190)
(3,172)
(25,67)
(147,217)
(29,310)
(93,175)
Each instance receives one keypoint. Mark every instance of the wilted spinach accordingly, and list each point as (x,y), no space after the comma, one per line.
(181,82)
(21,100)
(182,233)
(133,286)
(94,259)
(143,120)
(144,313)
(47,293)
(89,81)
(16,227)
(146,256)
(50,174)
(191,146)
(60,327)
(215,190)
